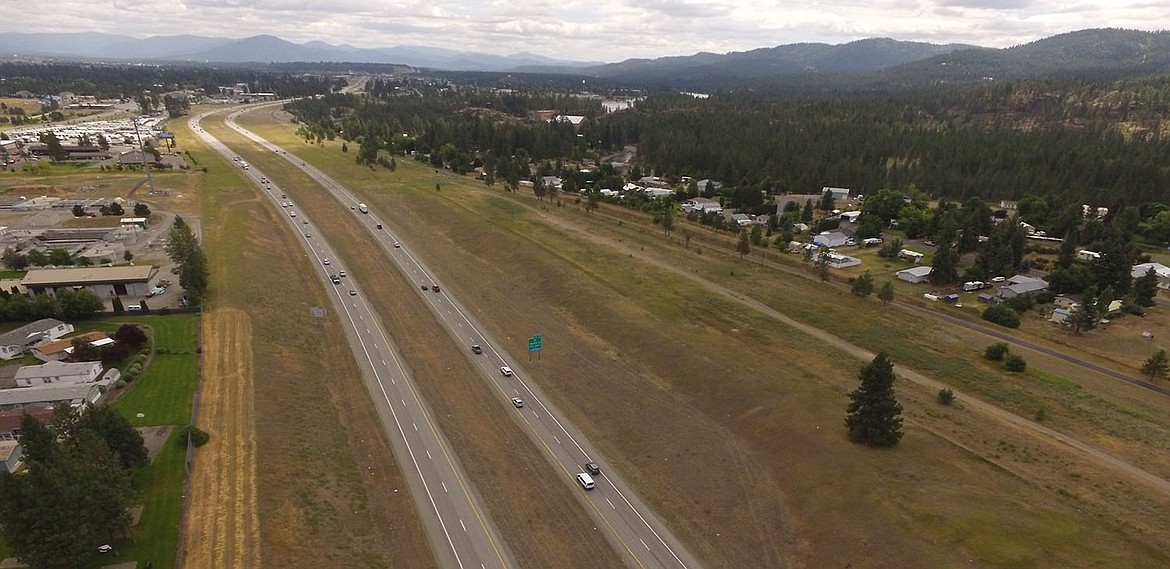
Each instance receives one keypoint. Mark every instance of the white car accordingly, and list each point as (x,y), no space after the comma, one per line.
(507,371)
(517,402)
(292,214)
(325,262)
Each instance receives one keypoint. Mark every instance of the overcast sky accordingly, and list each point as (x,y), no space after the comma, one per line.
(597,30)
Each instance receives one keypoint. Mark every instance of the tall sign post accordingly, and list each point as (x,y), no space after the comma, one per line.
(535,343)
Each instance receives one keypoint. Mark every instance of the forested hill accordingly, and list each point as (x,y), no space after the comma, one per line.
(1087,52)
(786,60)
(884,64)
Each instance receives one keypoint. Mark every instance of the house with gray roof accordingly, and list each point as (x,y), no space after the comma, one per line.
(1022,284)
(919,274)
(1161,270)
(73,395)
(58,373)
(15,343)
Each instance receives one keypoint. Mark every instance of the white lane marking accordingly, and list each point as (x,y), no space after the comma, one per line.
(444,487)
(644,544)
(556,439)
(461,523)
(611,504)
(429,455)
(415,427)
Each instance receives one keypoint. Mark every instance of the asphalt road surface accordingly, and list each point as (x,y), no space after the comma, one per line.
(635,531)
(457,523)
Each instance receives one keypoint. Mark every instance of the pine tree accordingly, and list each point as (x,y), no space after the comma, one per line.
(743,246)
(874,416)
(1157,367)
(863,286)
(886,293)
(1145,288)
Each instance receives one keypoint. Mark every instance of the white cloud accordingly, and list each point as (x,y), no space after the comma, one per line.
(609,30)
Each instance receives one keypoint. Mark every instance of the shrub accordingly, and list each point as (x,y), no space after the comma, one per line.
(946,396)
(1002,315)
(1021,303)
(1014,363)
(996,352)
(198,436)
(120,384)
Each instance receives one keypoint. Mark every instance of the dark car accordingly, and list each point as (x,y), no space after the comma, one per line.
(592,468)
(435,288)
(476,349)
(425,287)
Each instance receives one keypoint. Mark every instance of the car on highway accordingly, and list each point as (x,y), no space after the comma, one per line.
(352,292)
(435,288)
(292,214)
(424,287)
(585,480)
(517,402)
(341,274)
(326,261)
(307,236)
(306,222)
(592,468)
(507,371)
(335,279)
(396,245)
(476,349)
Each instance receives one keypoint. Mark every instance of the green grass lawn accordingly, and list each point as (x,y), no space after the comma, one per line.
(163,393)
(156,537)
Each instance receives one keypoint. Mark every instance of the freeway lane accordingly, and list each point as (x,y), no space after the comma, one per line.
(635,532)
(461,533)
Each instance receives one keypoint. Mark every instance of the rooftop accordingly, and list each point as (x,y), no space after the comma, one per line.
(87,275)
(46,394)
(19,335)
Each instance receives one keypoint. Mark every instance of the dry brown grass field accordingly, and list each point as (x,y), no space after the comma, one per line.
(296,474)
(730,422)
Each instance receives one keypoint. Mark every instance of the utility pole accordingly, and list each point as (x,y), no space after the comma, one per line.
(142,149)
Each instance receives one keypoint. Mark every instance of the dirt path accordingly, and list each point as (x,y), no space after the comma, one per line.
(223,528)
(1006,417)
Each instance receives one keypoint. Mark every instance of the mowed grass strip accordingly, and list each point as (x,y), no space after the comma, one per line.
(676,400)
(326,476)
(532,503)
(156,537)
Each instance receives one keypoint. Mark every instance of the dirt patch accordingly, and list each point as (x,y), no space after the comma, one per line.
(222,523)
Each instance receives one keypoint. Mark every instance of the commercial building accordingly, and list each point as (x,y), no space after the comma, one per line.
(106,282)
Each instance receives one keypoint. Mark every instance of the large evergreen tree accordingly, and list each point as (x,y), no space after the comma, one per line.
(874,416)
(1145,288)
(74,494)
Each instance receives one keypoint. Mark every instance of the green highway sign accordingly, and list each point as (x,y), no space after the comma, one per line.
(534,343)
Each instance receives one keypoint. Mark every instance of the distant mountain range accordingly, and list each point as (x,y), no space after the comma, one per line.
(875,60)
(94,46)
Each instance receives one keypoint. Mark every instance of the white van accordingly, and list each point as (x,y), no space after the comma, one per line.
(585,480)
